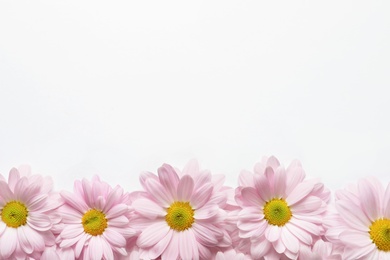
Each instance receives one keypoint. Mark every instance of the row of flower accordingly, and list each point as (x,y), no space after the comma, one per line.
(274,213)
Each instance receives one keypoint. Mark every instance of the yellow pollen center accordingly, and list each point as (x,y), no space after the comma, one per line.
(380,234)
(94,222)
(277,212)
(14,214)
(180,216)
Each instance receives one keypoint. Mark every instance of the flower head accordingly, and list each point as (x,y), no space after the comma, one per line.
(27,214)
(96,221)
(183,214)
(280,210)
(361,220)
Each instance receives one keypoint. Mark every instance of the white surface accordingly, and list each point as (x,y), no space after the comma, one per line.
(121,87)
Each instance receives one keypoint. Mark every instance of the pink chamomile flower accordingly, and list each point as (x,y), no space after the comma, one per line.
(280,210)
(183,214)
(361,220)
(27,208)
(96,221)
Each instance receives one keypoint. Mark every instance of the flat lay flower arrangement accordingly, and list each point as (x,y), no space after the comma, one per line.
(273,213)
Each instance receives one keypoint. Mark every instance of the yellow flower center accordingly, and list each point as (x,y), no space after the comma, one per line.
(94,222)
(180,216)
(277,212)
(14,214)
(380,234)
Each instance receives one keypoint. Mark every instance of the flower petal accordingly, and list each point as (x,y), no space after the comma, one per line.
(148,208)
(117,210)
(114,237)
(201,196)
(353,215)
(185,188)
(8,243)
(158,192)
(74,201)
(151,235)
(369,199)
(251,197)
(169,179)
(300,192)
(263,188)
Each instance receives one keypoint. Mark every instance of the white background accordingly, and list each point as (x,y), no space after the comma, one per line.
(118,87)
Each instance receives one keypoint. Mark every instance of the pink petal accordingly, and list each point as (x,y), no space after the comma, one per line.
(169,179)
(307,226)
(114,237)
(386,202)
(81,242)
(300,192)
(113,198)
(269,175)
(206,212)
(204,235)
(185,188)
(310,204)
(201,196)
(251,213)
(159,193)
(201,179)
(160,247)
(8,243)
(151,235)
(273,162)
(117,210)
(263,188)
(13,178)
(148,208)
(192,241)
(300,234)
(70,242)
(71,231)
(38,202)
(369,199)
(279,247)
(295,175)
(118,221)
(251,197)
(36,240)
(5,193)
(40,222)
(272,233)
(95,248)
(280,182)
(185,244)
(24,240)
(172,250)
(360,252)
(74,201)
(204,252)
(144,176)
(353,215)
(107,251)
(290,241)
(355,238)
(260,249)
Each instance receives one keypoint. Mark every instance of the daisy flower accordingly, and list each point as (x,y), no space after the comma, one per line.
(361,222)
(95,220)
(182,213)
(27,206)
(280,210)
